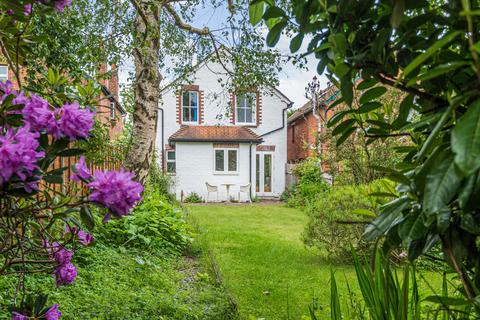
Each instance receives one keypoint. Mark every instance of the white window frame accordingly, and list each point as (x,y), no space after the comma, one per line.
(174,161)
(4,77)
(191,107)
(112,111)
(225,161)
(254,108)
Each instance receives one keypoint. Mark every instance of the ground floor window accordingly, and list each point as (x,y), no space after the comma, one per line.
(171,164)
(3,73)
(226,161)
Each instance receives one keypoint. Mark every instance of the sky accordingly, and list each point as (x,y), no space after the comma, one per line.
(292,80)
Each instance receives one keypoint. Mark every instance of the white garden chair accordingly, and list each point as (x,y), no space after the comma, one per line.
(211,189)
(245,189)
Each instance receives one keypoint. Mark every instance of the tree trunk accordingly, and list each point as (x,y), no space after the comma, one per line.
(147,82)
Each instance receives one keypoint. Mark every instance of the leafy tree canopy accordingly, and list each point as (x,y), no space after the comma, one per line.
(430,51)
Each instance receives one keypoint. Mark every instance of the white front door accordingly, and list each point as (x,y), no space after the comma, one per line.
(264,173)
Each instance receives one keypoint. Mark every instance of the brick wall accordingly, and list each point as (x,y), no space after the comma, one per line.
(301,133)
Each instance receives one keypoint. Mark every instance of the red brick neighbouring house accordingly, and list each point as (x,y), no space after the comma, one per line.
(109,110)
(303,127)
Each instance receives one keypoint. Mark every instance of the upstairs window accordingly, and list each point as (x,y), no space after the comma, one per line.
(245,108)
(3,73)
(226,161)
(190,106)
(171,165)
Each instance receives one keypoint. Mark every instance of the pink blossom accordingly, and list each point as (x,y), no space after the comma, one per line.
(53,313)
(74,122)
(18,316)
(18,154)
(27,9)
(65,274)
(82,170)
(115,191)
(38,115)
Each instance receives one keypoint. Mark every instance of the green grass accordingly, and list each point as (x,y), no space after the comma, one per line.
(263,261)
(116,283)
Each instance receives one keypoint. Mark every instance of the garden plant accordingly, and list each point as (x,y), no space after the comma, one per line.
(41,228)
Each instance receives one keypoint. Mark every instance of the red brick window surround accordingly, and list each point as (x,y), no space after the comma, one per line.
(246,108)
(190,105)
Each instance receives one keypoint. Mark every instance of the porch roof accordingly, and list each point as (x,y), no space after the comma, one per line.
(215,134)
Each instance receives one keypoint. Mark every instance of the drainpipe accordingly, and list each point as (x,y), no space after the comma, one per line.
(289,105)
(163,144)
(250,169)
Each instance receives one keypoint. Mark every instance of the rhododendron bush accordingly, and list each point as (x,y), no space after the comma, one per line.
(41,227)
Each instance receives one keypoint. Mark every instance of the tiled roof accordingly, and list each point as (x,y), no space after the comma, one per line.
(214,134)
(330,94)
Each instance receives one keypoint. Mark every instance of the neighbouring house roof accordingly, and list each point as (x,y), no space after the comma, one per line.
(214,134)
(330,94)
(300,112)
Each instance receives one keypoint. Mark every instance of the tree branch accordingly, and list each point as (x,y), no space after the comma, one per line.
(182,25)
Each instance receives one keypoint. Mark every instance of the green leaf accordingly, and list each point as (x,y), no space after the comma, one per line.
(429,52)
(369,106)
(345,136)
(273,12)
(321,66)
(274,34)
(364,212)
(296,43)
(336,118)
(390,216)
(71,152)
(255,12)
(404,112)
(87,217)
(447,301)
(397,14)
(342,127)
(441,183)
(413,228)
(53,179)
(437,71)
(341,69)
(371,94)
(346,88)
(466,140)
(365,84)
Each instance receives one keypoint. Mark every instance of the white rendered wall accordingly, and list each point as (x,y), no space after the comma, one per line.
(195,167)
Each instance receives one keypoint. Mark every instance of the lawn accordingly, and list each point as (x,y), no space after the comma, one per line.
(263,262)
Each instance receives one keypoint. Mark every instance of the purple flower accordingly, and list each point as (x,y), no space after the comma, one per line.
(53,313)
(62,256)
(20,99)
(75,122)
(18,316)
(27,9)
(115,190)
(85,238)
(82,170)
(65,274)
(18,154)
(7,88)
(39,117)
(61,4)
(10,12)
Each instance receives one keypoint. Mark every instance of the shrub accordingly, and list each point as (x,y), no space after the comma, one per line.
(193,198)
(159,181)
(337,218)
(154,224)
(310,184)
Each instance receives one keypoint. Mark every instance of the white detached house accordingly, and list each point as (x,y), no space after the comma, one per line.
(207,135)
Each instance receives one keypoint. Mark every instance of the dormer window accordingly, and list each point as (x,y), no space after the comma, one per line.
(245,109)
(190,106)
